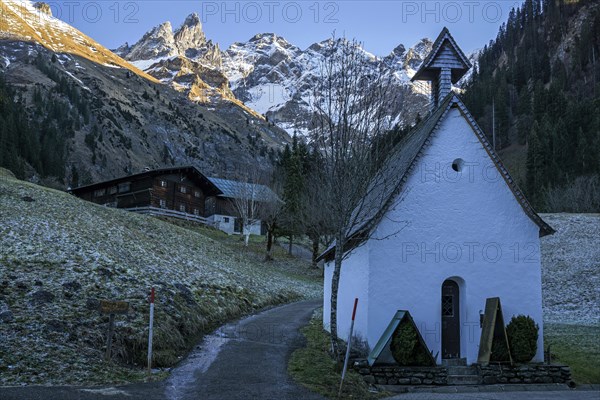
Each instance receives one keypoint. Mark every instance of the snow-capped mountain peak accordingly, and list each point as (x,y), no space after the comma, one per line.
(267,73)
(159,42)
(23,20)
(190,36)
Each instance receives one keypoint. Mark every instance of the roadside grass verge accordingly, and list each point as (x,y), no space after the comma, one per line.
(313,367)
(578,346)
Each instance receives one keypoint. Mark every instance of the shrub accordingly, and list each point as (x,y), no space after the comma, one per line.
(522,332)
(406,348)
(581,195)
(499,350)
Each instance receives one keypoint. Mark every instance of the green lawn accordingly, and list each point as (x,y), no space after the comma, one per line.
(578,346)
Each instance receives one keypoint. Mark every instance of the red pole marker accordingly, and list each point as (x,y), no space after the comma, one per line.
(348,348)
(354,311)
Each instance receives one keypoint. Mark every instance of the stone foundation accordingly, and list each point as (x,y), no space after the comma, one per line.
(395,375)
(438,376)
(530,373)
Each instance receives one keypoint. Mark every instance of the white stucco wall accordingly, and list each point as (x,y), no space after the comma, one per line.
(467,226)
(229,226)
(354,283)
(220,223)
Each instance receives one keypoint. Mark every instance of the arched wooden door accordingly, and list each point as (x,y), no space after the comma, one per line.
(450,320)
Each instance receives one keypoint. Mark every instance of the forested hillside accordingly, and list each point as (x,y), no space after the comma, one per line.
(539,81)
(28,141)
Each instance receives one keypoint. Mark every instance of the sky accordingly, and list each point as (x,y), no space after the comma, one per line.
(380,25)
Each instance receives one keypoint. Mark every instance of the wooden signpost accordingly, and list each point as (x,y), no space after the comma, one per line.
(493,329)
(111,308)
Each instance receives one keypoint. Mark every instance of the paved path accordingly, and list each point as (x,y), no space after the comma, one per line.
(298,251)
(243,360)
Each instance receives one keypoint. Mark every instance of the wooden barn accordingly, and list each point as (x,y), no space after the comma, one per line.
(179,192)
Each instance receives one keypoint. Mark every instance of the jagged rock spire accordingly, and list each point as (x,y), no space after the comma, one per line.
(190,35)
(445,65)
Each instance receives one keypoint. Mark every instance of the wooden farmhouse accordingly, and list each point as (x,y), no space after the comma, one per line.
(449,229)
(179,192)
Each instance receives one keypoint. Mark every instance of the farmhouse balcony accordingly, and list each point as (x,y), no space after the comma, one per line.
(164,212)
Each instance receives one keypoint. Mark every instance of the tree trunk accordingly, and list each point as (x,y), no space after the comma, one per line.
(269,255)
(335,283)
(290,245)
(315,250)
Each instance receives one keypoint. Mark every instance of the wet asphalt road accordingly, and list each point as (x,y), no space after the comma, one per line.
(243,360)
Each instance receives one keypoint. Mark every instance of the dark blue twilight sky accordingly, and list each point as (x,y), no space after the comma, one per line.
(380,25)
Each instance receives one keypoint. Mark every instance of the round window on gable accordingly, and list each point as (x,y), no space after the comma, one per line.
(458,164)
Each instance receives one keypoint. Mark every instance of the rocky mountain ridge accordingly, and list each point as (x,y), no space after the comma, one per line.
(267,73)
(103,117)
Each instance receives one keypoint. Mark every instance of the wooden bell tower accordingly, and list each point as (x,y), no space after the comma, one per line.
(444,66)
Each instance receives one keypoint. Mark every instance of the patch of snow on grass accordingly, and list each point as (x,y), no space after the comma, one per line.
(571,269)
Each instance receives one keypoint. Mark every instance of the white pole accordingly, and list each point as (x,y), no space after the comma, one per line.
(150,331)
(494,123)
(348,348)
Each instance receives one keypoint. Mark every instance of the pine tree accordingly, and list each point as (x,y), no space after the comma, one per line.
(534,164)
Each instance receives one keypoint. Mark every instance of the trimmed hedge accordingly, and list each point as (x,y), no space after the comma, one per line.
(522,334)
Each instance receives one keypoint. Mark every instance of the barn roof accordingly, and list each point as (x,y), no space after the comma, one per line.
(428,73)
(240,190)
(193,172)
(390,180)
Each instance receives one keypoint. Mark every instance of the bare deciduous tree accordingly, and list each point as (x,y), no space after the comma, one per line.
(270,213)
(246,206)
(256,202)
(351,104)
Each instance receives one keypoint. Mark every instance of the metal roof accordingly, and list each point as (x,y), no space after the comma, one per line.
(242,190)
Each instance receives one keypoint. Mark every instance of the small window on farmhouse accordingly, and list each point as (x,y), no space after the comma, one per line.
(182,207)
(124,187)
(447,306)
(183,189)
(196,211)
(162,203)
(112,190)
(197,193)
(226,220)
(163,183)
(458,164)
(99,192)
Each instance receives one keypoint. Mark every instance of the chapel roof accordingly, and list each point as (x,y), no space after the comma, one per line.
(390,180)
